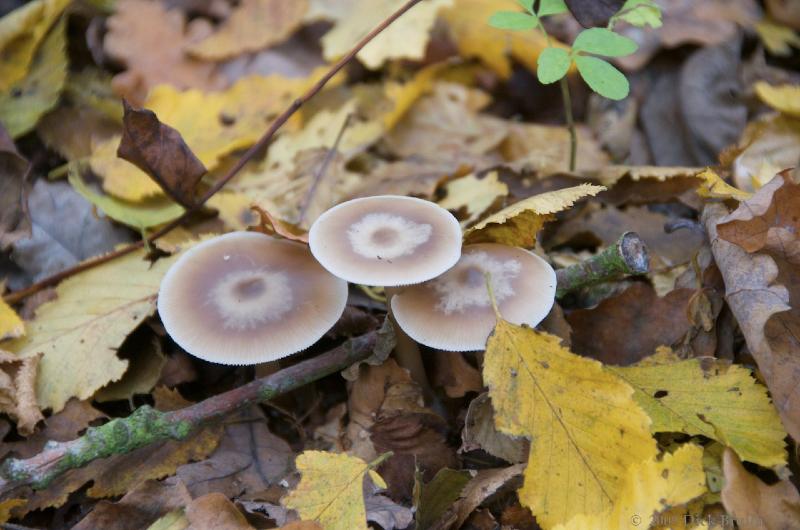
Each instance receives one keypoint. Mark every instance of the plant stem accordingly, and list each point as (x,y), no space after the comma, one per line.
(406,350)
(147,426)
(265,139)
(628,256)
(573,134)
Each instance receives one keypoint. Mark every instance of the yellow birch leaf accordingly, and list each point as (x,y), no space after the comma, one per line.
(331,490)
(783,98)
(518,224)
(21,32)
(80,331)
(713,187)
(710,398)
(468,21)
(29,98)
(585,428)
(252,26)
(11,326)
(150,212)
(406,38)
(474,195)
(650,487)
(213,124)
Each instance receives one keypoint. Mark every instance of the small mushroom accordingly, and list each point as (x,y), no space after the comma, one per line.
(386,240)
(453,312)
(246,298)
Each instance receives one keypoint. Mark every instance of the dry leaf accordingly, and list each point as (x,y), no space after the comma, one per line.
(586,430)
(453,373)
(480,433)
(713,187)
(770,145)
(15,221)
(469,197)
(215,512)
(784,98)
(545,150)
(17,390)
(11,326)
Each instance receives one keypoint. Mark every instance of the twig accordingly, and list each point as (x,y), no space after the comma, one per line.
(573,134)
(17,296)
(628,256)
(147,426)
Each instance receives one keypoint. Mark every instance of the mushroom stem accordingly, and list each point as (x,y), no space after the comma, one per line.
(627,257)
(407,350)
(147,426)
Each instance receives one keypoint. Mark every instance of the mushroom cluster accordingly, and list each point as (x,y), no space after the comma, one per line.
(246,298)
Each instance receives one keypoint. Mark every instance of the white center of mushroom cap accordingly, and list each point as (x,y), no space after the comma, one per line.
(385,236)
(246,298)
(464,286)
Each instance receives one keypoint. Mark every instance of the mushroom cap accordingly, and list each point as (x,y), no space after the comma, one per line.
(246,298)
(453,312)
(386,240)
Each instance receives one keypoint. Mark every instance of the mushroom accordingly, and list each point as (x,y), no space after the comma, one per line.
(453,312)
(386,240)
(246,298)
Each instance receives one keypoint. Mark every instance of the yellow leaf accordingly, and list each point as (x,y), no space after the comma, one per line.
(11,326)
(650,487)
(585,428)
(518,224)
(234,210)
(174,520)
(21,32)
(474,195)
(406,38)
(403,95)
(150,212)
(713,187)
(80,331)
(331,490)
(29,98)
(7,506)
(252,26)
(468,21)
(778,39)
(783,98)
(213,124)
(711,398)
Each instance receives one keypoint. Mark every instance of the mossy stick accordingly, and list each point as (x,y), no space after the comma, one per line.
(627,257)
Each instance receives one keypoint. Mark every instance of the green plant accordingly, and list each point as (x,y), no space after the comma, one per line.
(590,45)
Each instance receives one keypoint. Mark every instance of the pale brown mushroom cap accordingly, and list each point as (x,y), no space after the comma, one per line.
(246,298)
(453,312)
(386,240)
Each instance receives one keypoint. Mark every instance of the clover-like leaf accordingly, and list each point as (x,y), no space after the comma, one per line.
(602,77)
(527,5)
(602,41)
(640,13)
(553,64)
(551,7)
(513,20)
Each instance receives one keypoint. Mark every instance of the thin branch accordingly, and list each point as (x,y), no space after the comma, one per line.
(17,296)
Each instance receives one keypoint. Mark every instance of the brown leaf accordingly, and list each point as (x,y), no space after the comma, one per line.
(215,512)
(593,13)
(630,326)
(480,433)
(249,459)
(453,373)
(159,150)
(763,288)
(139,508)
(754,504)
(272,226)
(17,390)
(15,222)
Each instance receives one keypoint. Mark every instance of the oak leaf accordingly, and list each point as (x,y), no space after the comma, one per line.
(585,428)
(331,490)
(518,224)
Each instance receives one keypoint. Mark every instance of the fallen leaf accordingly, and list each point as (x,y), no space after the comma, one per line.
(215,512)
(713,187)
(467,21)
(712,398)
(143,373)
(79,332)
(432,499)
(17,391)
(11,326)
(753,503)
(136,35)
(480,433)
(768,146)
(405,39)
(252,25)
(158,150)
(276,227)
(15,220)
(777,38)
(330,490)
(586,430)
(756,249)
(470,196)
(453,373)
(545,149)
(648,321)
(784,98)
(174,520)
(386,513)
(650,487)
(29,98)
(518,224)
